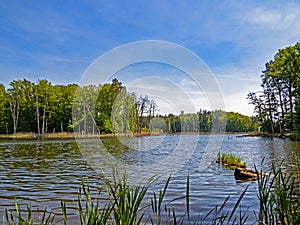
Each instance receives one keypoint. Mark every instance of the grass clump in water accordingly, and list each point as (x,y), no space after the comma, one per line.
(230,160)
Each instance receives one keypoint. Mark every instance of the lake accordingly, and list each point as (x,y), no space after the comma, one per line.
(42,172)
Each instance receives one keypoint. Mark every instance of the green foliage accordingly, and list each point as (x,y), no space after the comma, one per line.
(231,160)
(277,105)
(45,108)
(63,108)
(236,122)
(279,196)
(4,114)
(84,112)
(40,108)
(43,217)
(207,121)
(119,203)
(104,105)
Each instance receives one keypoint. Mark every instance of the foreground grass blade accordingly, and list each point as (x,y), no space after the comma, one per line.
(237,204)
(124,204)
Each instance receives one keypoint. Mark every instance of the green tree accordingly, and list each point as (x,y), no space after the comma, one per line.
(84,113)
(204,120)
(15,93)
(280,110)
(61,117)
(172,123)
(142,107)
(45,98)
(123,113)
(236,122)
(3,110)
(104,105)
(27,117)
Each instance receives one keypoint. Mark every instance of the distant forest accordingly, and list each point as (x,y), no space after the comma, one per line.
(45,108)
(277,104)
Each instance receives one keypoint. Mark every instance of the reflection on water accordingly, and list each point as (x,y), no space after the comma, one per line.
(44,172)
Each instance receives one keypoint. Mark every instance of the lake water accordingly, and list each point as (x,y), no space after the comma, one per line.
(44,172)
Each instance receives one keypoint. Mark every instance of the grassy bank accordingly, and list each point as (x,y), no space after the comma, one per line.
(66,135)
(293,136)
(31,135)
(278,194)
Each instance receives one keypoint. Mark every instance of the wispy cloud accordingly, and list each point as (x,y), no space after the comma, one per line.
(170,97)
(285,17)
(68,60)
(235,38)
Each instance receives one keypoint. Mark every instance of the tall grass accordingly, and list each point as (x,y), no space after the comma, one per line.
(119,203)
(124,205)
(40,217)
(279,197)
(231,160)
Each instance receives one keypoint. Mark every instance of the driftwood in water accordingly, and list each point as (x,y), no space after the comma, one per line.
(245,174)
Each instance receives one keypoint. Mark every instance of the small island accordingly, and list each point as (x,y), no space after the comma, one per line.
(240,168)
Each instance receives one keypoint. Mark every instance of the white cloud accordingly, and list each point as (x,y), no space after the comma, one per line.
(170,97)
(237,102)
(236,38)
(270,27)
(286,17)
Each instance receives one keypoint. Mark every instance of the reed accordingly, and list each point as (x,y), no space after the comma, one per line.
(118,203)
(279,197)
(125,204)
(27,218)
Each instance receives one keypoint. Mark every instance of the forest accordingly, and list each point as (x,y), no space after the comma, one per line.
(277,104)
(44,108)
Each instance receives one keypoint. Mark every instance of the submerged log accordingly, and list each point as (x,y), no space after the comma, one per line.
(245,174)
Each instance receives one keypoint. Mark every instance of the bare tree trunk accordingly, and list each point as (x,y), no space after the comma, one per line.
(37,112)
(94,122)
(46,127)
(84,113)
(14,108)
(281,124)
(44,117)
(291,106)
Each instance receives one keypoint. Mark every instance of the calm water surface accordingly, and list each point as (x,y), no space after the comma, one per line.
(44,172)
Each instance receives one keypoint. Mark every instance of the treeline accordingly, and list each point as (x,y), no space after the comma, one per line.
(210,121)
(277,105)
(109,108)
(36,107)
(43,108)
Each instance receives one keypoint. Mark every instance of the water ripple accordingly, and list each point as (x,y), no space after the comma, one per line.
(44,172)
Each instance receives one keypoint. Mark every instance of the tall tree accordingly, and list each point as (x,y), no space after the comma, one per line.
(84,113)
(62,112)
(45,99)
(104,105)
(153,108)
(281,90)
(15,93)
(142,105)
(27,118)
(3,110)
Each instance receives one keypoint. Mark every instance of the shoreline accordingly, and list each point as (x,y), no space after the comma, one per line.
(72,135)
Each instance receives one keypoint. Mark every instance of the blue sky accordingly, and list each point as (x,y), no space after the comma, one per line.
(58,40)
